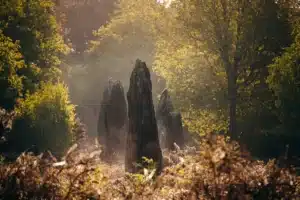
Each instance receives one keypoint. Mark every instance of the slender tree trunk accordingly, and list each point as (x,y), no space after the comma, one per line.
(231,72)
(232,97)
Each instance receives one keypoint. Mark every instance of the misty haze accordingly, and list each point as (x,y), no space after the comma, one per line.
(149,99)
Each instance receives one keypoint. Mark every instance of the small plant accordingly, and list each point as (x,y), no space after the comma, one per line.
(149,163)
(2,159)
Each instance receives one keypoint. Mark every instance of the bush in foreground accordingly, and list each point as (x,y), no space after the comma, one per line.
(45,120)
(218,171)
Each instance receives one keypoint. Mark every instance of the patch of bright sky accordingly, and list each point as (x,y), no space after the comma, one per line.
(166,2)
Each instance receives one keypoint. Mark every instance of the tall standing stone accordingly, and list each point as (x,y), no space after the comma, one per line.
(112,119)
(142,138)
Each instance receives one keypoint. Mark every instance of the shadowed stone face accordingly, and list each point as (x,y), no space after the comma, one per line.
(112,118)
(169,122)
(142,140)
(175,131)
(165,105)
(164,108)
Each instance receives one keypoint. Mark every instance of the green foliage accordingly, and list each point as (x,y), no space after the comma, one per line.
(199,47)
(255,103)
(2,159)
(33,23)
(31,47)
(10,64)
(284,80)
(195,79)
(205,121)
(149,163)
(44,119)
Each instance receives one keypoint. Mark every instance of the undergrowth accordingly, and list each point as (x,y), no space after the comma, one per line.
(218,170)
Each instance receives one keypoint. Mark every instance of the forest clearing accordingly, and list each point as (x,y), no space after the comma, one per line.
(147,99)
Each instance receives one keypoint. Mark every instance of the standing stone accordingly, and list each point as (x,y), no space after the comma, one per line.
(80,131)
(164,108)
(165,105)
(112,120)
(174,131)
(170,123)
(142,138)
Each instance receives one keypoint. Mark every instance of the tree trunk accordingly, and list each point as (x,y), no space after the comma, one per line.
(232,97)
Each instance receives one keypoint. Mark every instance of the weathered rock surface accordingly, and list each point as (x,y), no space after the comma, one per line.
(142,139)
(174,131)
(112,120)
(169,123)
(163,110)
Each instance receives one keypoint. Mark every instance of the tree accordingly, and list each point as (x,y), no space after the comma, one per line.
(132,33)
(231,31)
(78,18)
(11,61)
(32,24)
(210,52)
(284,82)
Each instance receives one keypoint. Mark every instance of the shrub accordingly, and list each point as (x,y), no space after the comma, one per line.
(204,121)
(219,170)
(44,120)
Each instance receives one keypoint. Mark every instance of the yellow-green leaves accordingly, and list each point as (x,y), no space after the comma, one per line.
(30,45)
(11,62)
(204,121)
(45,119)
(193,74)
